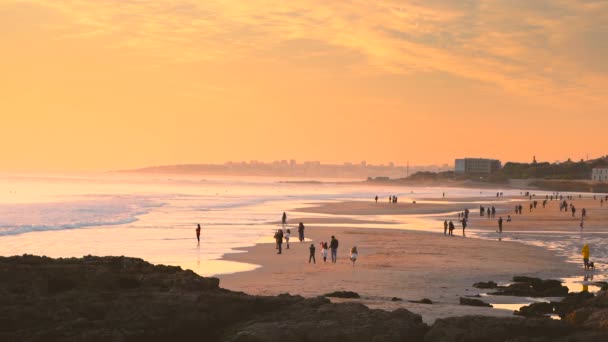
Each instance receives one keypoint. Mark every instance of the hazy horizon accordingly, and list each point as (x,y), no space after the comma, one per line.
(113,85)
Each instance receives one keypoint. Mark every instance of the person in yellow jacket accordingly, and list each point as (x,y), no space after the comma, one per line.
(585,252)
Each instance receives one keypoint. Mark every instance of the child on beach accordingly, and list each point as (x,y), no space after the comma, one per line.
(353,255)
(287,237)
(324,251)
(312,254)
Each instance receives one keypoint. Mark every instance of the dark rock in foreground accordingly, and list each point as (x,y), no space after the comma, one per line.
(489,329)
(126,299)
(473,302)
(536,310)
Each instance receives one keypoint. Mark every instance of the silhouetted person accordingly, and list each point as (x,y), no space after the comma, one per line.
(312,253)
(376,198)
(445,227)
(333,245)
(573,211)
(451,227)
(198,233)
(284,219)
(464,225)
(500,224)
(301,232)
(278,236)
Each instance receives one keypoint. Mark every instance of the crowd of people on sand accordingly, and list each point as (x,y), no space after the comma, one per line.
(332,247)
(564,206)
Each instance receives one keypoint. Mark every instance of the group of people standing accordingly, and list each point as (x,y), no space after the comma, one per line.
(331,247)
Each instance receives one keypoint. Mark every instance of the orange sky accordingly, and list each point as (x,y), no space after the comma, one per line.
(113,84)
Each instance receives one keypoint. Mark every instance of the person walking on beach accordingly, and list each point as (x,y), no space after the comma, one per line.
(333,245)
(445,227)
(287,234)
(354,254)
(451,227)
(585,252)
(466,213)
(278,236)
(324,251)
(500,225)
(312,254)
(573,211)
(376,198)
(301,232)
(464,225)
(284,219)
(198,233)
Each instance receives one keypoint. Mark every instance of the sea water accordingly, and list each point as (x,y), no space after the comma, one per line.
(153,216)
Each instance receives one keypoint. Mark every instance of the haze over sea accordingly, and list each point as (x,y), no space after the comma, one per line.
(154,216)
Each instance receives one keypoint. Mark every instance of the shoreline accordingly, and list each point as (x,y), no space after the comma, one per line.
(379,276)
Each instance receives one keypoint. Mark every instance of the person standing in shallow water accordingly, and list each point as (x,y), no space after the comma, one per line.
(301,232)
(585,252)
(451,227)
(284,219)
(198,233)
(445,227)
(500,224)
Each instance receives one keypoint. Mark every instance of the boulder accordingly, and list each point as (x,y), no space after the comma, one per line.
(536,310)
(473,302)
(532,287)
(342,294)
(486,285)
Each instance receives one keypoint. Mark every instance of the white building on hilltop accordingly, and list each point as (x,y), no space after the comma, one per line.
(599,174)
(476,166)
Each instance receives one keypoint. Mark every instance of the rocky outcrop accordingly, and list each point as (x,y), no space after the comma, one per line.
(532,287)
(126,299)
(485,285)
(490,329)
(590,313)
(473,302)
(342,294)
(541,309)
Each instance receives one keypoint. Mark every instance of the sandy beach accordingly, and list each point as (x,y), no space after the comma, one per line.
(412,265)
(393,263)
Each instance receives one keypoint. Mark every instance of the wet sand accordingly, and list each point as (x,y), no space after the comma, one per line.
(394,263)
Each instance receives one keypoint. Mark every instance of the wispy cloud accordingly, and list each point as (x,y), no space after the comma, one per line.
(543,47)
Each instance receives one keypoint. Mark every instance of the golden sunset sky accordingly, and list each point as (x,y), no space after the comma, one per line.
(114,84)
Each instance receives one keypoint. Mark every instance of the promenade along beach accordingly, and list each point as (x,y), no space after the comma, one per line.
(404,255)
